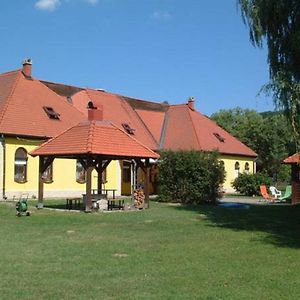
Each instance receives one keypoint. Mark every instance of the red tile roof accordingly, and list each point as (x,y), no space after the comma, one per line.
(117,110)
(153,120)
(188,129)
(21,108)
(95,137)
(156,125)
(293,159)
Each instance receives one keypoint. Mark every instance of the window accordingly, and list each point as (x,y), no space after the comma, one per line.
(51,113)
(91,105)
(236,169)
(20,165)
(104,176)
(80,172)
(127,128)
(47,176)
(219,137)
(247,168)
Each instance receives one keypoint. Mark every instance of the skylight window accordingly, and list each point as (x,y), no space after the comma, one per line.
(219,137)
(128,129)
(51,113)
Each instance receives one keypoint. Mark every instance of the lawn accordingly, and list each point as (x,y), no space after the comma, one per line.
(166,252)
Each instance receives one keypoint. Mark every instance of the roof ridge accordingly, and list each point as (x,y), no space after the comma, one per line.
(193,125)
(148,130)
(163,130)
(16,80)
(10,72)
(92,125)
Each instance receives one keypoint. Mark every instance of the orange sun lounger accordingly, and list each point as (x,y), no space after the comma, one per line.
(265,194)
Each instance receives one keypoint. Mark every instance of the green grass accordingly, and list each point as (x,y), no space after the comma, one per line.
(166,252)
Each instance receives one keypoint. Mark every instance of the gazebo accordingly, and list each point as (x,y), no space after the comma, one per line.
(95,143)
(294,161)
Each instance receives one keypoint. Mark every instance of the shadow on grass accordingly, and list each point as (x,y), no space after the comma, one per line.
(281,223)
(60,205)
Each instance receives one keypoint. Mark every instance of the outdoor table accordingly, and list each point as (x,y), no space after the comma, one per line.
(70,202)
(105,191)
(115,203)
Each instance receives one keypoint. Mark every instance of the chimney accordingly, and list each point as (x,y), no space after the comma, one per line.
(95,114)
(191,103)
(27,67)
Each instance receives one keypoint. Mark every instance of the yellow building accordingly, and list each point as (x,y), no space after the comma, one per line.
(33,111)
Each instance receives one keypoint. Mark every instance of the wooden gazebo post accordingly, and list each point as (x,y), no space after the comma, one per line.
(44,162)
(88,186)
(100,167)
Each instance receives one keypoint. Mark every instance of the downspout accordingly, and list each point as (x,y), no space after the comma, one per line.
(4,166)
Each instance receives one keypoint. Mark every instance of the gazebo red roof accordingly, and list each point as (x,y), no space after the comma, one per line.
(293,159)
(94,137)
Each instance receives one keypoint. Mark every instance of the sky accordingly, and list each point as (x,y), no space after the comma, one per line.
(157,50)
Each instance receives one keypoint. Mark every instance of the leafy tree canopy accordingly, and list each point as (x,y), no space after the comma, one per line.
(277,22)
(269,135)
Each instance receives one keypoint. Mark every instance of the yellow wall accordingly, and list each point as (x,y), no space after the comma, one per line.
(64,173)
(229,164)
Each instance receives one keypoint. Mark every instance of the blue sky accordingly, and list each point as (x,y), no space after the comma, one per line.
(160,50)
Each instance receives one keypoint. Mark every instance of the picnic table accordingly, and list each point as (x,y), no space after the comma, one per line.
(105,191)
(115,203)
(73,203)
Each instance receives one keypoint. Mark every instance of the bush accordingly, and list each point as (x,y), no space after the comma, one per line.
(248,184)
(189,177)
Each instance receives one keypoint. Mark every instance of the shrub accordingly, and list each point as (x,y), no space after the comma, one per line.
(189,177)
(248,184)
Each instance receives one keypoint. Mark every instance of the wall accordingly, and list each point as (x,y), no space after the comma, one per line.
(64,174)
(229,164)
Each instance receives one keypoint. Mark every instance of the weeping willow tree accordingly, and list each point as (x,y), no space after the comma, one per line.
(276,23)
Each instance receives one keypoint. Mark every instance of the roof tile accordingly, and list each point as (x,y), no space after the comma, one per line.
(95,137)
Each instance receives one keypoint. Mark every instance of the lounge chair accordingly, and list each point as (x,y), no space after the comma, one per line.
(265,194)
(287,194)
(274,192)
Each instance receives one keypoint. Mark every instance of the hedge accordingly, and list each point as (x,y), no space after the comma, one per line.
(189,177)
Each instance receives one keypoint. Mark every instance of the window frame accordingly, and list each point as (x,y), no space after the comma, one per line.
(80,172)
(20,176)
(47,176)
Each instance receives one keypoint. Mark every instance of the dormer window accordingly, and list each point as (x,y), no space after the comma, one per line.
(219,137)
(128,129)
(91,105)
(51,113)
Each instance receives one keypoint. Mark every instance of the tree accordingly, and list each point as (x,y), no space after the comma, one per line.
(268,134)
(277,22)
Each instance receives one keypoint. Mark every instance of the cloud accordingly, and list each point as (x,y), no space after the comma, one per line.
(161,15)
(93,2)
(50,5)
